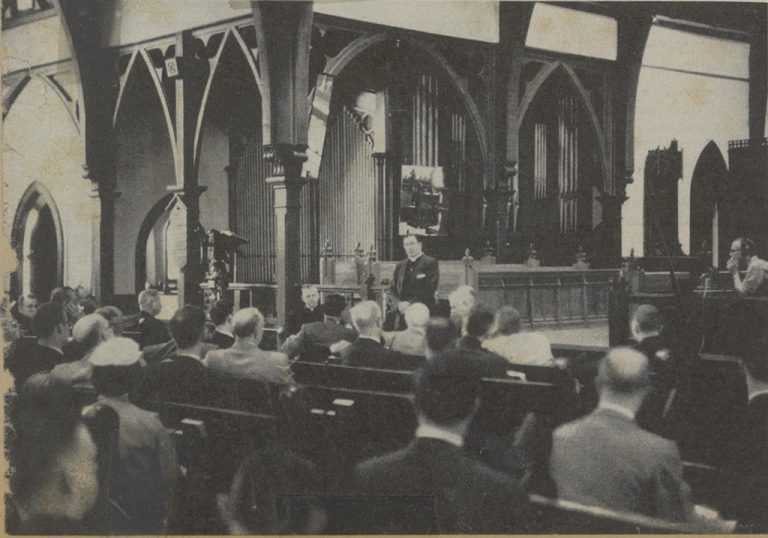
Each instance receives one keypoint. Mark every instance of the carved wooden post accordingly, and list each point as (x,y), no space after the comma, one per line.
(467,259)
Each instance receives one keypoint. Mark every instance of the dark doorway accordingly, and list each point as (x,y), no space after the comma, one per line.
(43,252)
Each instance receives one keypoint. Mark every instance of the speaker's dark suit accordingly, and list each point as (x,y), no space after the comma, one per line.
(416,282)
(431,475)
(605,459)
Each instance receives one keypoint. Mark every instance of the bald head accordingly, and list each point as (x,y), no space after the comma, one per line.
(248,322)
(624,372)
(366,317)
(416,315)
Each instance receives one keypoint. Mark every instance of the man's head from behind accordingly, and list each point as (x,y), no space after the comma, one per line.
(416,316)
(50,323)
(116,367)
(27,305)
(481,322)
(366,318)
(334,305)
(221,313)
(187,326)
(624,377)
(507,320)
(447,390)
(646,322)
(310,296)
(115,318)
(462,299)
(247,323)
(149,302)
(439,334)
(90,330)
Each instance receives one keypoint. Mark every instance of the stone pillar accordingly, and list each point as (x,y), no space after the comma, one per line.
(386,214)
(611,242)
(103,257)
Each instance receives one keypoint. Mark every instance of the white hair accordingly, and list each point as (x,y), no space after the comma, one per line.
(366,315)
(417,315)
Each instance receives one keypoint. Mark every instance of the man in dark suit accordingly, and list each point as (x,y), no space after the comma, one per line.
(24,311)
(605,459)
(310,311)
(30,357)
(480,327)
(183,377)
(151,330)
(414,280)
(431,486)
(221,316)
(368,349)
(320,334)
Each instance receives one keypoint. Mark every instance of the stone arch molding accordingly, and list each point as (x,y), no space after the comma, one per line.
(538,83)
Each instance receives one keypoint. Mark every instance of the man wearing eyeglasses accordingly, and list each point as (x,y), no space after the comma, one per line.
(755,279)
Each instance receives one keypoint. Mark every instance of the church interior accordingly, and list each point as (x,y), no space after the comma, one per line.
(593,173)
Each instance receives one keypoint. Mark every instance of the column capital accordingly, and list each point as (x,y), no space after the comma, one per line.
(187,192)
(286,159)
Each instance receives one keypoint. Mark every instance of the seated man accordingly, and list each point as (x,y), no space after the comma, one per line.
(115,318)
(244,358)
(151,330)
(310,311)
(54,457)
(439,336)
(411,340)
(27,358)
(87,334)
(368,349)
(144,475)
(24,311)
(462,299)
(515,346)
(221,316)
(183,377)
(321,333)
(463,495)
(480,327)
(605,459)
(743,258)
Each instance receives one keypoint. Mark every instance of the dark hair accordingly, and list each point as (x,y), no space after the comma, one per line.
(447,388)
(59,296)
(220,311)
(479,321)
(47,318)
(418,237)
(117,380)
(187,326)
(440,334)
(89,306)
(45,418)
(334,305)
(24,296)
(648,318)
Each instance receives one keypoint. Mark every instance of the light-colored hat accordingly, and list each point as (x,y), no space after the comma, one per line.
(116,352)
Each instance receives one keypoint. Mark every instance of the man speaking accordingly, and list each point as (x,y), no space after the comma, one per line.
(414,280)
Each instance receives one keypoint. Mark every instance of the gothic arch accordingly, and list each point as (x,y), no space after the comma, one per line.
(147,224)
(708,198)
(538,83)
(36,196)
(338,63)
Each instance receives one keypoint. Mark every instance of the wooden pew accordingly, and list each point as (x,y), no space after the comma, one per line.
(331,375)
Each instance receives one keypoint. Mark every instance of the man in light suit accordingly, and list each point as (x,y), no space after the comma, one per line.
(320,334)
(605,459)
(411,340)
(244,359)
(414,280)
(432,486)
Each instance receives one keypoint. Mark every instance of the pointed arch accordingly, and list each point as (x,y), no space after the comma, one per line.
(140,257)
(128,82)
(10,96)
(709,216)
(339,62)
(538,83)
(36,196)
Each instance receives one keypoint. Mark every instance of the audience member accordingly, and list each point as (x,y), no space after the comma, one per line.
(67,298)
(518,347)
(743,258)
(115,318)
(183,377)
(411,340)
(50,327)
(480,326)
(465,495)
(462,299)
(321,333)
(89,305)
(368,349)
(151,330)
(244,358)
(24,311)
(605,459)
(439,335)
(646,329)
(54,483)
(221,316)
(87,334)
(146,469)
(310,311)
